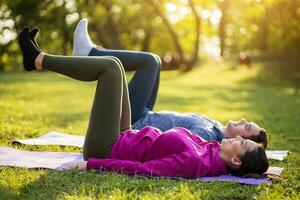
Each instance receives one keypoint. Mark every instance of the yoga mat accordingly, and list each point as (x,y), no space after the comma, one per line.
(57,160)
(54,138)
(276,154)
(33,159)
(64,139)
(248,181)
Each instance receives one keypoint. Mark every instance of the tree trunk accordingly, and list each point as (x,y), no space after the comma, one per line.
(113,41)
(223,5)
(194,58)
(64,29)
(170,29)
(146,42)
(264,27)
(184,64)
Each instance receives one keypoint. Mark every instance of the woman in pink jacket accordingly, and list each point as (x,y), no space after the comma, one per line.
(110,143)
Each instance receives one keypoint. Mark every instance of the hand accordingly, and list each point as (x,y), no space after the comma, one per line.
(76,166)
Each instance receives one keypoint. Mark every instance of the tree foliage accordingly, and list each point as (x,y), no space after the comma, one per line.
(178,30)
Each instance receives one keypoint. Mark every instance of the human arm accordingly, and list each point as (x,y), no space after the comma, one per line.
(179,165)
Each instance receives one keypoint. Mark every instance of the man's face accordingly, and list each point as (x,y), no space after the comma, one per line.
(236,147)
(242,128)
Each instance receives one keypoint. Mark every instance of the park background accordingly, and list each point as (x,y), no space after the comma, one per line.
(226,59)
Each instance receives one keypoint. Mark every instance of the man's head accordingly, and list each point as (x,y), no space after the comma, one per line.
(247,130)
(243,156)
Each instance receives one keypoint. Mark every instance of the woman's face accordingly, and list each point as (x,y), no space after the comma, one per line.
(241,128)
(236,147)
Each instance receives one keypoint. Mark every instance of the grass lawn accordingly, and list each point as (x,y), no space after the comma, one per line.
(34,103)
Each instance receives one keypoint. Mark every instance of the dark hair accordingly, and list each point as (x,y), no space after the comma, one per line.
(261,138)
(253,162)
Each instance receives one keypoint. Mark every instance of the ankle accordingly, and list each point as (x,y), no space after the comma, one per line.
(39,61)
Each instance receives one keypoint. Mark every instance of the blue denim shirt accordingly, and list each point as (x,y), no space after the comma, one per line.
(206,128)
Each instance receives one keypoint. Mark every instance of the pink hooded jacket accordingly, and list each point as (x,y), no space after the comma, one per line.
(174,153)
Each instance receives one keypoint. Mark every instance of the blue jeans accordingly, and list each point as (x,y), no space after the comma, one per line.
(144,84)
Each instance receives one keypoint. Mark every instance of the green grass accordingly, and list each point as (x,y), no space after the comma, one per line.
(34,103)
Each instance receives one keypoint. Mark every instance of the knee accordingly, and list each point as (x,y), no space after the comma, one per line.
(114,69)
(158,60)
(153,61)
(116,59)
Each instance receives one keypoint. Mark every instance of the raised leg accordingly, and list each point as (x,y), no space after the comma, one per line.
(144,84)
(106,119)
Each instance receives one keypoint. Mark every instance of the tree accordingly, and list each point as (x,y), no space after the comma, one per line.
(184,63)
(223,5)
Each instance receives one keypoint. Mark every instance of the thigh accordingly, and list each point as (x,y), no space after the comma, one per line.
(131,60)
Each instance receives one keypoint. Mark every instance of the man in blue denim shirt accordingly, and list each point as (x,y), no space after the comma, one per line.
(164,120)
(143,89)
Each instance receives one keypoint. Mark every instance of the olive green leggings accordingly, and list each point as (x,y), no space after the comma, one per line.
(110,112)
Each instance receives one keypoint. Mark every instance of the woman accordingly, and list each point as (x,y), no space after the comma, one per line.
(111,145)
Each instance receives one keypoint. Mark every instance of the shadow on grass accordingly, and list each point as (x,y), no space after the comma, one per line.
(278,73)
(59,185)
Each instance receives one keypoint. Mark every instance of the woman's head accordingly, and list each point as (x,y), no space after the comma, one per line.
(247,130)
(243,156)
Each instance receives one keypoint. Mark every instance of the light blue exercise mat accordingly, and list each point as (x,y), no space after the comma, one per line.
(11,157)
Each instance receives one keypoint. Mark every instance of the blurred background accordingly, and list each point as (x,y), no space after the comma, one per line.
(181,32)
